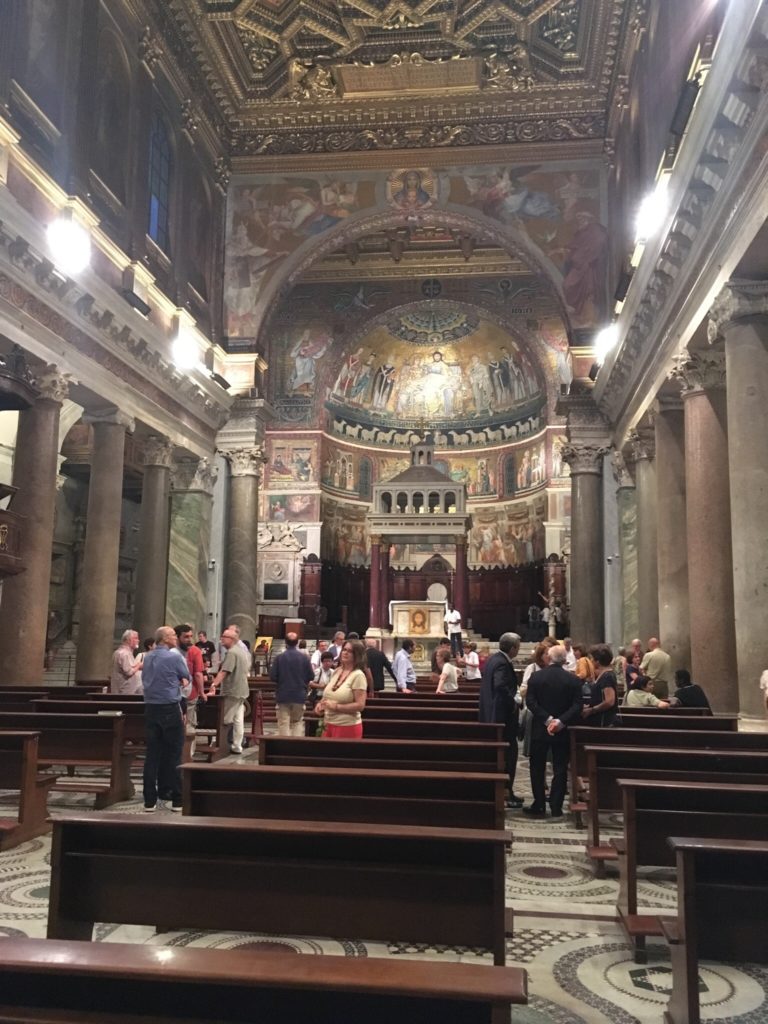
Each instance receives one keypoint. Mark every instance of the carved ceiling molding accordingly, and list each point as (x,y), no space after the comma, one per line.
(739,300)
(313,76)
(724,168)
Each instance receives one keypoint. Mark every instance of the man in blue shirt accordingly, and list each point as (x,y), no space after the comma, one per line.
(166,679)
(291,673)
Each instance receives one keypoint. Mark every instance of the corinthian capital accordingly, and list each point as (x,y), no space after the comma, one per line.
(699,371)
(245,461)
(53,385)
(643,444)
(584,458)
(739,300)
(620,470)
(195,475)
(158,451)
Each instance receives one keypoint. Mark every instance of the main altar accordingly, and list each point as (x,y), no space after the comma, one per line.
(417,618)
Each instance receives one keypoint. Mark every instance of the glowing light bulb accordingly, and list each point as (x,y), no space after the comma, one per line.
(186,353)
(605,342)
(69,245)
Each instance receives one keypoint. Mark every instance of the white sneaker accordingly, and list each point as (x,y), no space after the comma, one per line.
(150,810)
(236,750)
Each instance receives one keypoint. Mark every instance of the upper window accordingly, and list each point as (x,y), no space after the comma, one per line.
(160,164)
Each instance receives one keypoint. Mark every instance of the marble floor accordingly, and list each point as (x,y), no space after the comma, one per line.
(566,935)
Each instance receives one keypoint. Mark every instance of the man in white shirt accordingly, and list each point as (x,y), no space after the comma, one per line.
(472,662)
(405,673)
(322,645)
(452,619)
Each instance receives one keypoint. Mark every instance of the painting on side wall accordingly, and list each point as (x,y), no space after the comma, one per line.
(290,462)
(344,537)
(511,534)
(293,508)
(478,475)
(530,467)
(560,470)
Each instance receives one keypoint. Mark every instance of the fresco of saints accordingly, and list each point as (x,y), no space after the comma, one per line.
(504,196)
(585,268)
(383,385)
(348,373)
(311,346)
(481,386)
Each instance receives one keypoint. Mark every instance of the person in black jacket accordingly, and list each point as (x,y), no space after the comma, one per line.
(554,699)
(497,701)
(377,663)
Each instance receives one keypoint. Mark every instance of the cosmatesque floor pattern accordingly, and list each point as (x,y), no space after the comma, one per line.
(566,935)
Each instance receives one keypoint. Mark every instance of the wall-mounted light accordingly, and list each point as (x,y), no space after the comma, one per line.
(605,341)
(652,211)
(186,354)
(69,244)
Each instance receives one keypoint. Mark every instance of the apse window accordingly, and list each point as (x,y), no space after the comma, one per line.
(159,184)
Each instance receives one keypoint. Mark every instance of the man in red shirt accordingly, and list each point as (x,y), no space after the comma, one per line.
(194,657)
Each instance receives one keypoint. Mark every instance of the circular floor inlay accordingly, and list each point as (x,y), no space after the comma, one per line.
(541,872)
(268,947)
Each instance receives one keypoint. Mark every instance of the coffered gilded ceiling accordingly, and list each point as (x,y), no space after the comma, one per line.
(298,76)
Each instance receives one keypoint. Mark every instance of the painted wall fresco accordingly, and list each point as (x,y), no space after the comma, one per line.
(291,463)
(293,508)
(509,534)
(557,205)
(345,538)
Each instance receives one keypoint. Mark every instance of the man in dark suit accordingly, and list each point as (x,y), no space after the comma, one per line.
(377,663)
(497,701)
(554,699)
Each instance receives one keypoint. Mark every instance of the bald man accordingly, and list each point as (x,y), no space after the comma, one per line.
(657,666)
(166,679)
(291,672)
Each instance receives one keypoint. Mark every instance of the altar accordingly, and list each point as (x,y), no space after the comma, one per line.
(417,618)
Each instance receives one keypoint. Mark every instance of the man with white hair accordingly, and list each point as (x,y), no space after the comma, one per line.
(657,666)
(125,676)
(554,700)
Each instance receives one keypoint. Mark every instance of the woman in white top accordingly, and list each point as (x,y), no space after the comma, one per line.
(640,695)
(343,698)
(472,662)
(448,682)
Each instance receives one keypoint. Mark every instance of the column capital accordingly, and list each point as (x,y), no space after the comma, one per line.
(158,451)
(620,471)
(585,458)
(111,415)
(741,299)
(375,539)
(53,385)
(195,475)
(700,371)
(643,445)
(245,461)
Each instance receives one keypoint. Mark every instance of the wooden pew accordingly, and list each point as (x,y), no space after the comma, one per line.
(414,884)
(432,699)
(19,770)
(408,755)
(674,711)
(58,982)
(131,710)
(446,713)
(413,729)
(655,719)
(606,765)
(91,741)
(655,810)
(450,799)
(683,739)
(722,907)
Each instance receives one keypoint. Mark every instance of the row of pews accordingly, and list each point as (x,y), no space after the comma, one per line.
(406,843)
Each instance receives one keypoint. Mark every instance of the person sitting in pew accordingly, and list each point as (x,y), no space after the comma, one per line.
(641,695)
(448,683)
(689,694)
(343,698)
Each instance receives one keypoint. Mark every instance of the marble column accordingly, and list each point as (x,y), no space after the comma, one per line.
(384,587)
(643,451)
(740,315)
(708,517)
(24,608)
(152,567)
(627,513)
(461,585)
(672,532)
(190,543)
(375,583)
(241,591)
(98,594)
(587,578)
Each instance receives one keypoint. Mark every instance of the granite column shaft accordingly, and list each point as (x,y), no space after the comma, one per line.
(375,583)
(152,568)
(241,589)
(587,578)
(674,613)
(646,491)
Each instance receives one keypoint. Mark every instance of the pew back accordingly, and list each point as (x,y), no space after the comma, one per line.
(410,755)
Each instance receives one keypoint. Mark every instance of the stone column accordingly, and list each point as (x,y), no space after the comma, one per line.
(627,511)
(672,532)
(740,315)
(190,543)
(461,584)
(152,568)
(241,592)
(24,609)
(384,587)
(587,583)
(708,516)
(643,450)
(98,598)
(375,583)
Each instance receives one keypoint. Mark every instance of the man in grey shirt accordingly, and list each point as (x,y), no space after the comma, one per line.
(232,677)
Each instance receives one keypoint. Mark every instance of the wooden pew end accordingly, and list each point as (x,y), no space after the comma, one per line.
(670,929)
(599,855)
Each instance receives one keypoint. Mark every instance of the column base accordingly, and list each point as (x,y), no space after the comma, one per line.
(749,723)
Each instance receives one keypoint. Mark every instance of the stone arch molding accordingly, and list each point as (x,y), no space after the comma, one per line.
(290,271)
